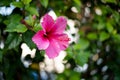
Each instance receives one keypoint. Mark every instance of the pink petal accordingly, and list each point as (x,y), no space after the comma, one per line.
(62,40)
(47,23)
(53,50)
(59,25)
(41,41)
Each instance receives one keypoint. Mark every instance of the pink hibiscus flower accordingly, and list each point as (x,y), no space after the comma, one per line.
(51,38)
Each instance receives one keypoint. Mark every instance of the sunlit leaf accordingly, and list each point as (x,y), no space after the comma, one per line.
(103,36)
(37,27)
(30,20)
(92,36)
(32,11)
(109,27)
(18,4)
(21,28)
(77,2)
(26,1)
(44,3)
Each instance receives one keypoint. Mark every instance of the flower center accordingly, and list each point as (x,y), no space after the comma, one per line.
(46,34)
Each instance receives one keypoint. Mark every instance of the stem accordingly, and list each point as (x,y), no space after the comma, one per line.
(28,26)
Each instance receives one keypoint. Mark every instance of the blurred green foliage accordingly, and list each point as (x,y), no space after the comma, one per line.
(98,25)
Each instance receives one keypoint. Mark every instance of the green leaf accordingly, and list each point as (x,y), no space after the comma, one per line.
(116,16)
(103,36)
(83,43)
(1,55)
(26,1)
(110,1)
(27,38)
(32,11)
(21,28)
(100,26)
(92,36)
(12,27)
(44,3)
(30,20)
(78,2)
(12,23)
(13,19)
(37,27)
(77,46)
(116,37)
(13,40)
(82,58)
(74,76)
(0,18)
(5,2)
(109,27)
(18,4)
(70,51)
